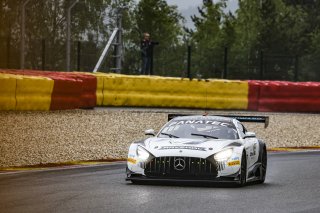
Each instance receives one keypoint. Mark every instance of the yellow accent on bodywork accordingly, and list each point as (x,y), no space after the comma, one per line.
(132,160)
(234,163)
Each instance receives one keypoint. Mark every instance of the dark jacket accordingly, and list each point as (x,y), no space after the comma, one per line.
(146,48)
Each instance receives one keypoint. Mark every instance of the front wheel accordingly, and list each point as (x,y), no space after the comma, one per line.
(243,170)
(263,167)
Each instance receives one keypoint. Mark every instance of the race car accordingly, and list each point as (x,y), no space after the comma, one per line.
(200,148)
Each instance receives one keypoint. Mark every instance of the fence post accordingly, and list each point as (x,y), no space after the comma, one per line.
(189,62)
(114,57)
(151,61)
(78,55)
(43,55)
(225,64)
(22,34)
(68,46)
(296,68)
(261,65)
(8,51)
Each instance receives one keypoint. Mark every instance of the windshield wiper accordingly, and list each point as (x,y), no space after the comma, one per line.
(206,136)
(170,135)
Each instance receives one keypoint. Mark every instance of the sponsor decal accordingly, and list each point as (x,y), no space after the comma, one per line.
(210,122)
(131,160)
(183,147)
(234,163)
(235,158)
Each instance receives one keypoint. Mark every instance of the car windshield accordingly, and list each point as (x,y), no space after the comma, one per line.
(209,129)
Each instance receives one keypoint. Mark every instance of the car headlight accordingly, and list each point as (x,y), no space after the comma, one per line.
(142,153)
(223,155)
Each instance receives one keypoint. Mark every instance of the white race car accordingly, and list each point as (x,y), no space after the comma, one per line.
(200,148)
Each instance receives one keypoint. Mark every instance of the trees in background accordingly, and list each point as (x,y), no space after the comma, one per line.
(213,32)
(268,39)
(46,20)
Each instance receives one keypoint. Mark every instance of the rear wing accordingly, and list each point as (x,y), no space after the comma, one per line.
(241,118)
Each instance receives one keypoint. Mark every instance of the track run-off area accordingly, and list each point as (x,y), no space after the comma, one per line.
(292,185)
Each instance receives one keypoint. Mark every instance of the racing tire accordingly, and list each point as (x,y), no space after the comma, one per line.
(243,170)
(263,167)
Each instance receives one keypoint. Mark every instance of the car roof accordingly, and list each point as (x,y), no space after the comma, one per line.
(204,117)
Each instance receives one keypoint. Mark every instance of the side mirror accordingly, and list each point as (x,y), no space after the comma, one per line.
(150,132)
(250,135)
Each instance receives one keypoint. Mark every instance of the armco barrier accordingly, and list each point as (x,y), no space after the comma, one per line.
(8,85)
(281,96)
(121,90)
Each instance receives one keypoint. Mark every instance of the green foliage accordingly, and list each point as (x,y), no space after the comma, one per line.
(47,20)
(210,38)
(267,35)
(272,38)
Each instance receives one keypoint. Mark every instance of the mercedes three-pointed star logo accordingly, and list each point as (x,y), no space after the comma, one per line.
(179,164)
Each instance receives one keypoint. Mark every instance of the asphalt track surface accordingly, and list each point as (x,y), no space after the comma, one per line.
(292,185)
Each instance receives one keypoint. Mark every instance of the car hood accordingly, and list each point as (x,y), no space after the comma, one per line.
(186,147)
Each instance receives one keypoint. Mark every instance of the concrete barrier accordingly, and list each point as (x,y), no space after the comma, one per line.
(283,96)
(86,90)
(8,84)
(121,90)
(20,92)
(34,93)
(99,88)
(70,91)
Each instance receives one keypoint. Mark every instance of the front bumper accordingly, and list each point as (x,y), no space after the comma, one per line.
(145,179)
(135,177)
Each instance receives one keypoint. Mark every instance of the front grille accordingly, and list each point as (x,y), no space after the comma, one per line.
(198,168)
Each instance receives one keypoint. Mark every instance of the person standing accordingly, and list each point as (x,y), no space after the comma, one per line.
(146,54)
